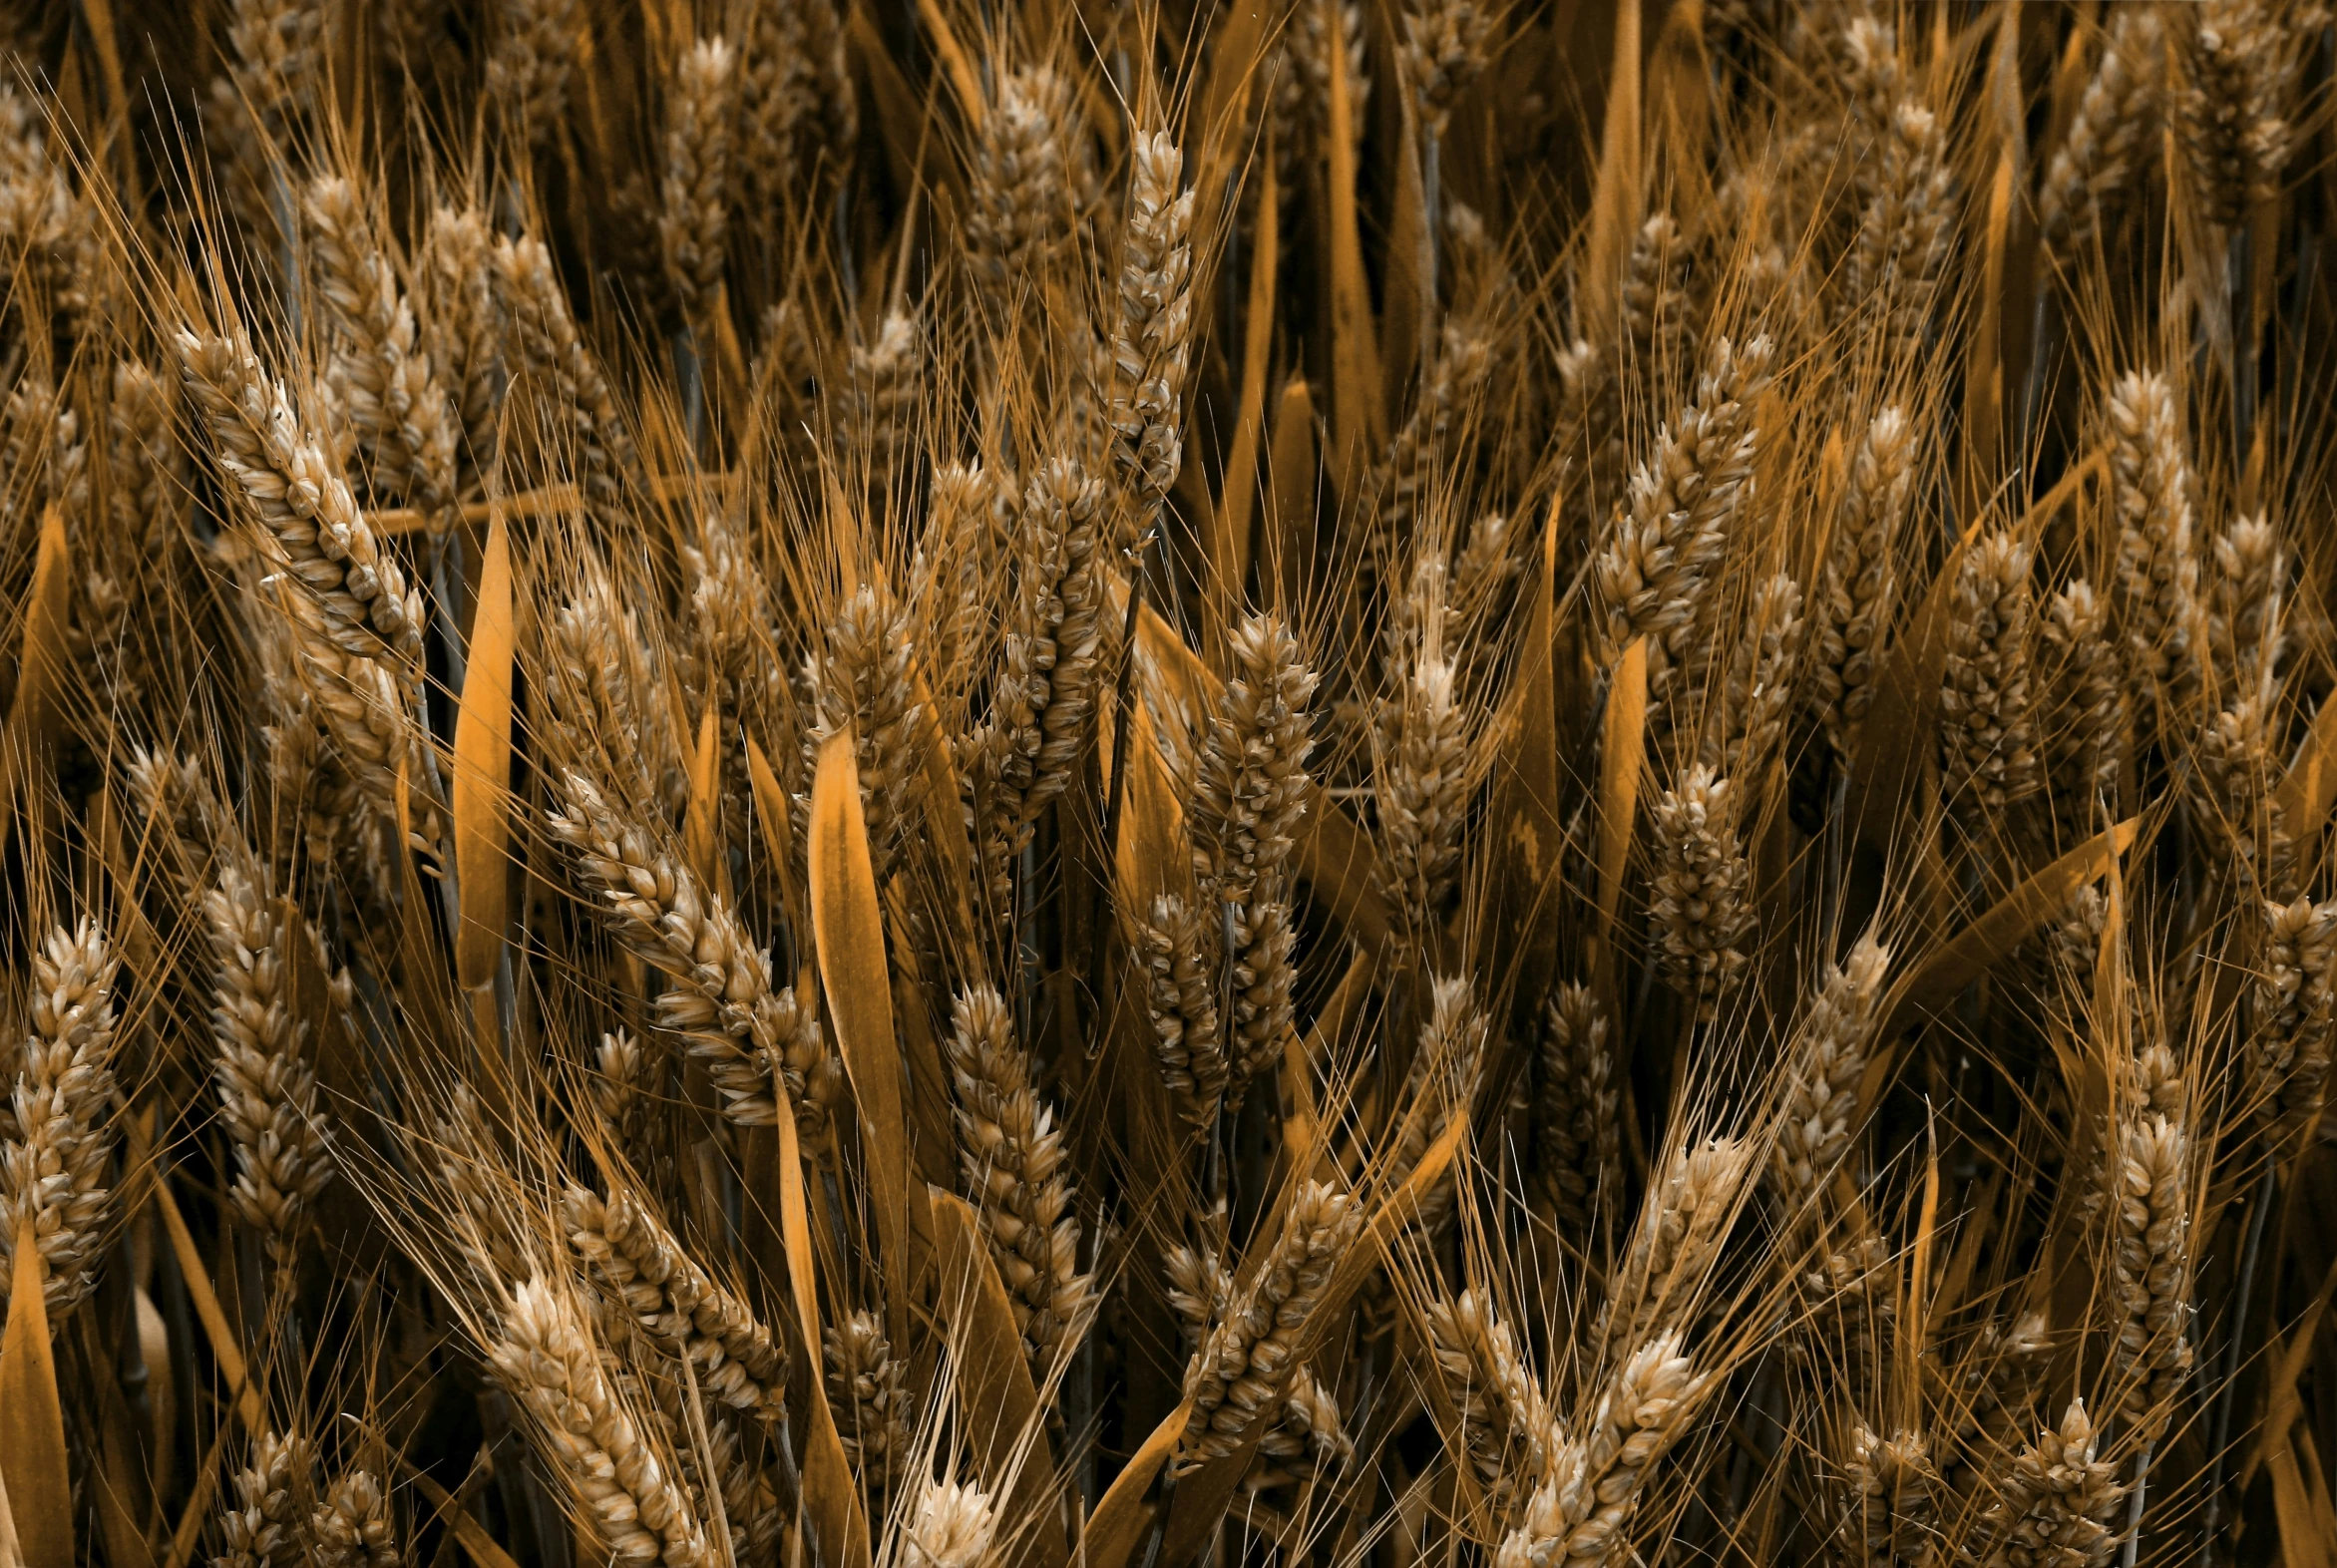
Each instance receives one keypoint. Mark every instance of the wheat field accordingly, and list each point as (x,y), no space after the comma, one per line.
(1133,784)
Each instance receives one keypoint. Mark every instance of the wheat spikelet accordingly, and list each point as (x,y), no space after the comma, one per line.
(380,378)
(619,1081)
(1657,339)
(1988,739)
(2002,1373)
(1317,27)
(1012,1156)
(544,1355)
(2230,107)
(267,1526)
(1758,682)
(729,615)
(1444,52)
(2241,600)
(1892,1522)
(1046,688)
(1700,907)
(2157,597)
(529,64)
(1200,1286)
(1249,796)
(1483,588)
(542,344)
(952,1527)
(1574,1517)
(1243,1367)
(1023,202)
(693,216)
(2085,738)
(266,1089)
(2054,1501)
(55,1164)
(676,1303)
(750,1504)
(148,466)
(2287,1051)
(867,1390)
(604,701)
(1904,233)
(1858,584)
(885,380)
(1411,468)
(1822,1080)
(1440,1086)
(2096,157)
(1151,335)
(171,792)
(1306,1444)
(1420,746)
(796,98)
(1578,1146)
(1506,1423)
(45,445)
(275,46)
(721,1004)
(1865,49)
(1683,1225)
(287,478)
(1653,573)
(461,331)
(1177,946)
(960,558)
(862,681)
(352,1528)
(356,626)
(36,201)
(2151,1269)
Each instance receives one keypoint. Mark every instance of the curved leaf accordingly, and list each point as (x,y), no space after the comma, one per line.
(483,770)
(1622,752)
(998,1405)
(1117,1524)
(42,666)
(847,928)
(2013,920)
(831,1498)
(31,1423)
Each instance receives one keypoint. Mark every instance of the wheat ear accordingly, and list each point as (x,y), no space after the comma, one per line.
(1577,1141)
(1012,1156)
(1859,583)
(1507,1427)
(266,1088)
(2054,1501)
(1243,1367)
(267,1524)
(378,374)
(1152,333)
(868,1391)
(676,1303)
(693,217)
(1701,908)
(546,1357)
(54,1170)
(353,1529)
(1575,1518)
(1988,732)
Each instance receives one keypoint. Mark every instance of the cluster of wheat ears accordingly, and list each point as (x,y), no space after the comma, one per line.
(1140,784)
